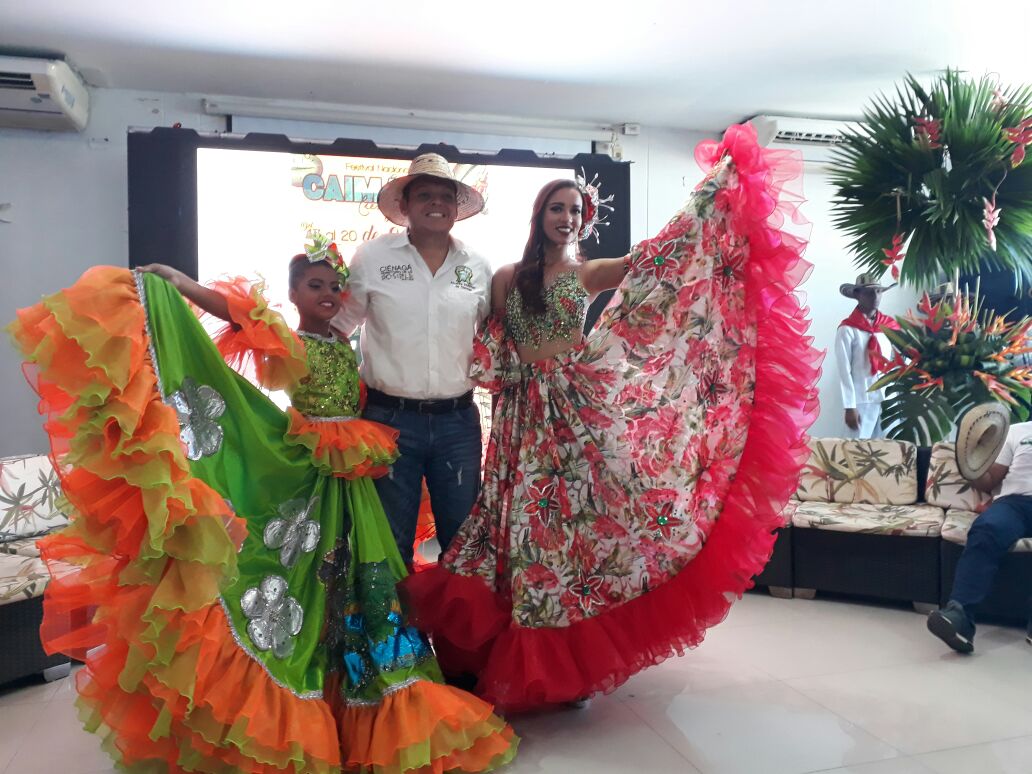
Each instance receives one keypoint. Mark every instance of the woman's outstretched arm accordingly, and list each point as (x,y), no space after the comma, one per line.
(603,273)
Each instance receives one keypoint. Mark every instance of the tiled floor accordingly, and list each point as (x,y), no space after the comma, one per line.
(781,687)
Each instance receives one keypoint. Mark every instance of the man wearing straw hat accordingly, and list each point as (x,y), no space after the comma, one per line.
(420,295)
(992,458)
(862,353)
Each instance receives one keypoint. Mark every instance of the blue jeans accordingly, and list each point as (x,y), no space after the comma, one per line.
(446,449)
(991,536)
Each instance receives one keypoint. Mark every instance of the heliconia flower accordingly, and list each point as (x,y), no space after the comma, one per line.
(997,103)
(929,384)
(897,362)
(1020,135)
(995,387)
(1021,333)
(1016,350)
(990,220)
(896,252)
(927,132)
(894,255)
(925,306)
(1022,376)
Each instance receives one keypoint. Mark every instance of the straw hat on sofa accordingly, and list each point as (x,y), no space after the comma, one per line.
(980,435)
(469,200)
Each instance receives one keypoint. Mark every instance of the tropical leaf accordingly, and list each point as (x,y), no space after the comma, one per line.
(889,182)
(919,416)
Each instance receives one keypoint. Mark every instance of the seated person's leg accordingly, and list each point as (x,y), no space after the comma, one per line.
(991,536)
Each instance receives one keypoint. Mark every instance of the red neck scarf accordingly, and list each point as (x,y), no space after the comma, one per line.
(857,320)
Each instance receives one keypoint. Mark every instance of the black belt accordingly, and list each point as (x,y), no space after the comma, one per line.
(377,398)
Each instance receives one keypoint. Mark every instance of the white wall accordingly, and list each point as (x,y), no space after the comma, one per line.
(68,196)
(68,210)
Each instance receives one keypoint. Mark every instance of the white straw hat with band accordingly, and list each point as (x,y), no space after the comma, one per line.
(981,433)
(468,199)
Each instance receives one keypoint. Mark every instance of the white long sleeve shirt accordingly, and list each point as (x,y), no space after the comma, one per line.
(417,339)
(854,365)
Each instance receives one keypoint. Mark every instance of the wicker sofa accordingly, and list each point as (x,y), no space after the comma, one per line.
(29,494)
(888,520)
(859,525)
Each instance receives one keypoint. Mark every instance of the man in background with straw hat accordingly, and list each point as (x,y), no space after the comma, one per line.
(420,295)
(989,456)
(862,353)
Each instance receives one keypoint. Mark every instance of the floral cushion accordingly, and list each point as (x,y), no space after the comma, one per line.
(912,520)
(946,487)
(21,577)
(958,522)
(21,546)
(29,494)
(860,471)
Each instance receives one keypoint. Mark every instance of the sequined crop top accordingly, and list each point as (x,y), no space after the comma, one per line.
(565,304)
(331,387)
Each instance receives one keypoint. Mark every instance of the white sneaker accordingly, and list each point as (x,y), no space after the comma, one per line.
(582,703)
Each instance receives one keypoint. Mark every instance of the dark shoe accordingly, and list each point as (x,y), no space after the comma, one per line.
(582,703)
(953,626)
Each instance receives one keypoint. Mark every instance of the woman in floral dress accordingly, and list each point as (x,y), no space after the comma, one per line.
(634,477)
(235,558)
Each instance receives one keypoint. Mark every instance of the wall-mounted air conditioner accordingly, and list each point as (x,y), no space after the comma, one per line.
(814,137)
(42,94)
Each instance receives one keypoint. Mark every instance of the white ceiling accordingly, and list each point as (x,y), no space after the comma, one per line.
(655,62)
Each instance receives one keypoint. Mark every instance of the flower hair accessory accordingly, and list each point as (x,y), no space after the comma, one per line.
(322,249)
(593,204)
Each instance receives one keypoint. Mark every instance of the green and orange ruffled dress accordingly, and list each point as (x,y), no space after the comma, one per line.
(228,574)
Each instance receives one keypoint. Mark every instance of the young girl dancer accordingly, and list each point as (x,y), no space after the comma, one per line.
(238,564)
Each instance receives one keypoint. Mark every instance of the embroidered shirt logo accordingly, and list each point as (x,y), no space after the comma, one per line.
(463,278)
(401,272)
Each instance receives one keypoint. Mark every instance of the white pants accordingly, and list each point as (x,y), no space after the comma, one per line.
(870,422)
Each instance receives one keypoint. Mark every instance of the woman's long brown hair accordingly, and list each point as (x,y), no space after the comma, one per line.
(530,271)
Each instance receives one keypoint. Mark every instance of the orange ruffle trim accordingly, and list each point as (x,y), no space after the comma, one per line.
(258,337)
(420,721)
(349,448)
